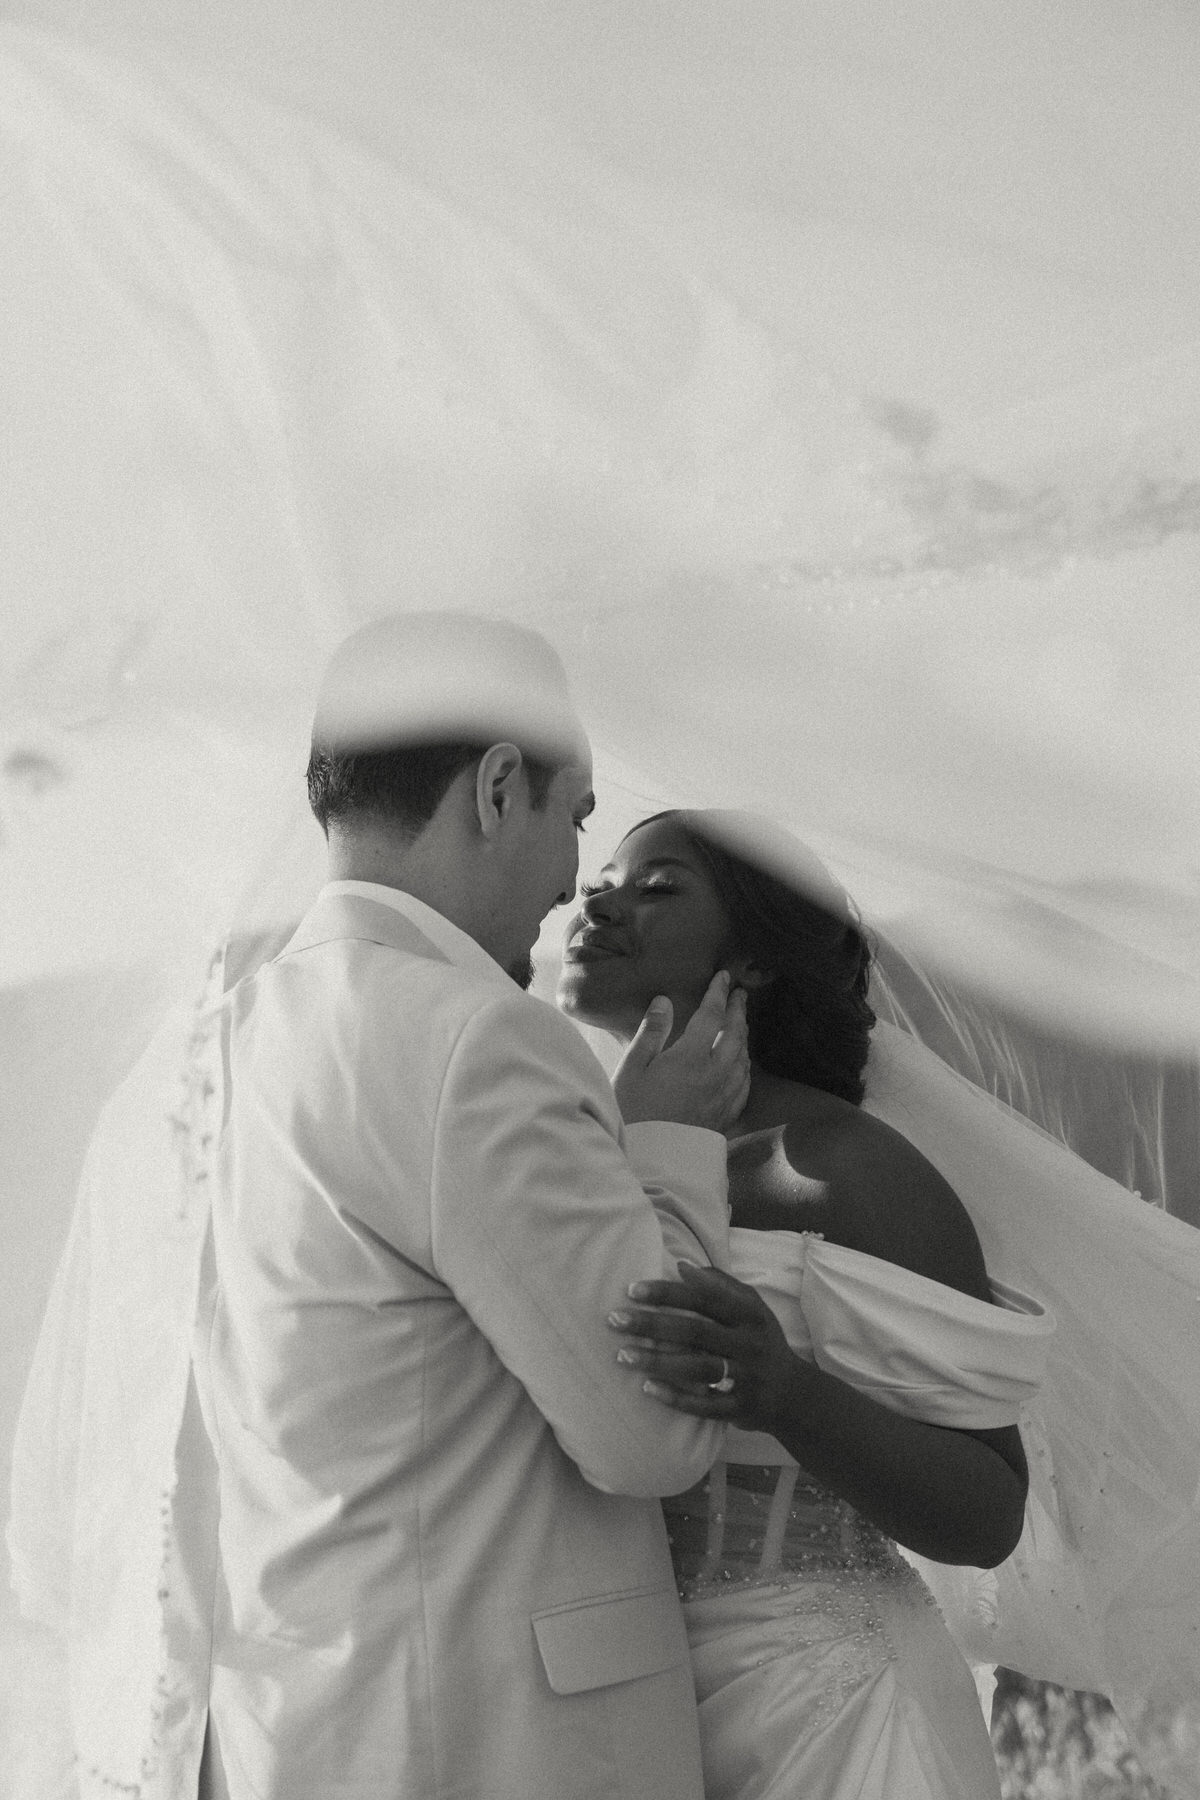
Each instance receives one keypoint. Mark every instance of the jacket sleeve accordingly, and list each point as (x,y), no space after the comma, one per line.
(540,1223)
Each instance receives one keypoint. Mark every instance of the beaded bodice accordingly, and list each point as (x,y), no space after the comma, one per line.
(829,1581)
(759,1524)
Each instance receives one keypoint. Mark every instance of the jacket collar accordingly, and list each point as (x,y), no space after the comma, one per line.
(384,915)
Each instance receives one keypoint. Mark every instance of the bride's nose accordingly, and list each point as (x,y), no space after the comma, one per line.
(600,908)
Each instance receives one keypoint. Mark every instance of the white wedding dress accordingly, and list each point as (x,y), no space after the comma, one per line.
(823,1668)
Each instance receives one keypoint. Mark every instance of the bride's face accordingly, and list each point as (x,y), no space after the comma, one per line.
(652,924)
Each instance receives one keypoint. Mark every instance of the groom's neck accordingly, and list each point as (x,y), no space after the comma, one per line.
(426,869)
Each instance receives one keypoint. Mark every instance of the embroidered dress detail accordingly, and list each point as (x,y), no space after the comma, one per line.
(769,1527)
(763,1525)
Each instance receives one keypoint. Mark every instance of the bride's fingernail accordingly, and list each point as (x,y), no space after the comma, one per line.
(628,1356)
(620,1319)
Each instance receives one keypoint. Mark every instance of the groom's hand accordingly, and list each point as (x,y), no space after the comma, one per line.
(704,1078)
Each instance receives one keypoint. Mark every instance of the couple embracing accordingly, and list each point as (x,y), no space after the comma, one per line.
(539,1478)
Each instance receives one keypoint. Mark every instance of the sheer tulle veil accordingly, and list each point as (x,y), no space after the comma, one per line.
(854,477)
(1100,1593)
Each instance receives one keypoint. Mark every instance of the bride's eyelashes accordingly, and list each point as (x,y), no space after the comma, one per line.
(589,890)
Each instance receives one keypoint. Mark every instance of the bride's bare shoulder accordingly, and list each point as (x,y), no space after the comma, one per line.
(840,1170)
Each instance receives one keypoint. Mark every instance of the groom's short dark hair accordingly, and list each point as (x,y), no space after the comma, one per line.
(403,784)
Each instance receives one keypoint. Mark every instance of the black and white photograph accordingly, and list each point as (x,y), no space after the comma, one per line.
(600,921)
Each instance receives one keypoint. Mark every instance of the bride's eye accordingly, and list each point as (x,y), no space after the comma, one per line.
(657,887)
(589,889)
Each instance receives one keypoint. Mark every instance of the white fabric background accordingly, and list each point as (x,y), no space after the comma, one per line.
(824,379)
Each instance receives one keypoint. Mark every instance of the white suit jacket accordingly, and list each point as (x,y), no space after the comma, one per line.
(446,1572)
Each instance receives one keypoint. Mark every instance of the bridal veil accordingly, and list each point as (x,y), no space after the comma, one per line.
(825,383)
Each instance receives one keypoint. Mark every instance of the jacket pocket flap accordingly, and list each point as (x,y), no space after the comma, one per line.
(594,1643)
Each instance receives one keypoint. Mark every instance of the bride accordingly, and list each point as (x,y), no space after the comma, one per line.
(876,1397)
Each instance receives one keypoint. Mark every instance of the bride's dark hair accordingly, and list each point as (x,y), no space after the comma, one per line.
(812,1022)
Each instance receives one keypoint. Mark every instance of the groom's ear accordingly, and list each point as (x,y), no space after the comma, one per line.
(497,777)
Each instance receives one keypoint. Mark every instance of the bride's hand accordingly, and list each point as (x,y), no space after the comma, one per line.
(708,1345)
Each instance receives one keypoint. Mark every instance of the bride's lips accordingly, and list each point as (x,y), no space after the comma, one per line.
(590,949)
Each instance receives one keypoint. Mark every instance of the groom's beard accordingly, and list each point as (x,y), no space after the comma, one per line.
(522,972)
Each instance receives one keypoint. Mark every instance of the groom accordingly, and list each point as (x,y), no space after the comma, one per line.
(446,1571)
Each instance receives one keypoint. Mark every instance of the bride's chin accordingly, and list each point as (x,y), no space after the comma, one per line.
(573,999)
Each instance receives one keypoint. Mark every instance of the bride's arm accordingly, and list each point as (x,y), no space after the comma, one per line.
(950,1495)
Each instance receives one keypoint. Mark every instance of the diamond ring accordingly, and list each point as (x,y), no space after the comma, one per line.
(725,1384)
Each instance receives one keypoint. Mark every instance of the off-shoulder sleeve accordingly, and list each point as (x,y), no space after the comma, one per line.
(920,1348)
(912,1344)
